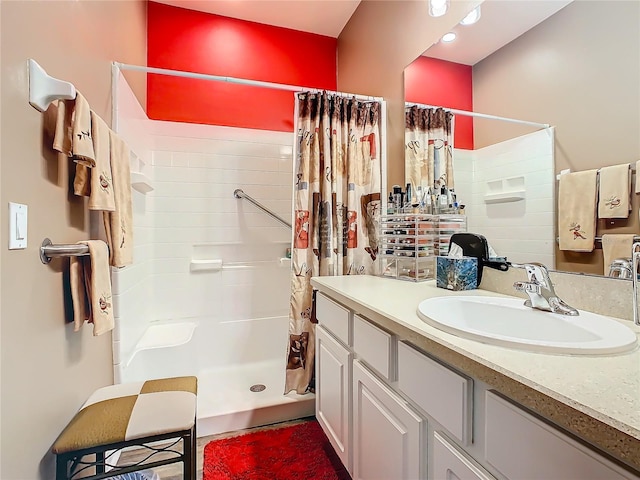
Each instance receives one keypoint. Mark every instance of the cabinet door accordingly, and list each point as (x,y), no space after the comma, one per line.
(516,442)
(450,464)
(387,434)
(333,392)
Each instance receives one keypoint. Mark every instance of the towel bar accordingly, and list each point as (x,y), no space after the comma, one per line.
(48,250)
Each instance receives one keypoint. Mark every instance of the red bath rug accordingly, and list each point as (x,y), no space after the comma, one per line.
(298,452)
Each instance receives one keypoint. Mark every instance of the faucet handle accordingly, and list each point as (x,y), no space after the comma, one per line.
(527,287)
(536,272)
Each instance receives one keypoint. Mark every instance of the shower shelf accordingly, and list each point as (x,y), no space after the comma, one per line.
(217,264)
(140,182)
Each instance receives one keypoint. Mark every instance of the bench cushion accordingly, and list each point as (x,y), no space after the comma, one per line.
(130,411)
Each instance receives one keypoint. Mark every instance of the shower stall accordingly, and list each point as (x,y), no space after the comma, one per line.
(208,293)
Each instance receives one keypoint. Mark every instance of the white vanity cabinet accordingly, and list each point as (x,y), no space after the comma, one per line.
(393,412)
(374,431)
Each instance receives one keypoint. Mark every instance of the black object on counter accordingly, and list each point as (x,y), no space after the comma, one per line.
(475,245)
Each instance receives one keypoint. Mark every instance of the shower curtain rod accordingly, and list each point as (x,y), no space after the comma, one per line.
(482,115)
(241,81)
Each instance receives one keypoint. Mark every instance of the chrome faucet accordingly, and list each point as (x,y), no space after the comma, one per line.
(635,259)
(540,289)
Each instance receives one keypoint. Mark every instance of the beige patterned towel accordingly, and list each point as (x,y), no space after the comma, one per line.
(64,127)
(637,189)
(101,197)
(90,278)
(81,141)
(616,246)
(577,193)
(118,225)
(615,191)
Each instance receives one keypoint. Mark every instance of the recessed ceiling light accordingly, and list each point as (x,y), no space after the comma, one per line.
(448,37)
(472,17)
(437,8)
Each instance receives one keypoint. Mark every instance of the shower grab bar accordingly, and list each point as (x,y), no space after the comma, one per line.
(238,193)
(48,250)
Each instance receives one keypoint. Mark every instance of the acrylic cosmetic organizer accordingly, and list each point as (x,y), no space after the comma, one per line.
(410,242)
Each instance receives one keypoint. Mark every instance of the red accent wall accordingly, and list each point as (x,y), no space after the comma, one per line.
(187,40)
(438,82)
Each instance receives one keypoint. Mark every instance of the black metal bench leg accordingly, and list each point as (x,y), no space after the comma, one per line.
(194,450)
(190,454)
(61,467)
(100,466)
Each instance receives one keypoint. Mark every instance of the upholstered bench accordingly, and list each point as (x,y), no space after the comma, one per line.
(128,415)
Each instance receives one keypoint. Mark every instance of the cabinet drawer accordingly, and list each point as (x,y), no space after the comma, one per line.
(443,394)
(450,463)
(521,446)
(334,318)
(374,346)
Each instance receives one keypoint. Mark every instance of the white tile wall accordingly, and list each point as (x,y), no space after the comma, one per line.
(523,231)
(195,215)
(133,285)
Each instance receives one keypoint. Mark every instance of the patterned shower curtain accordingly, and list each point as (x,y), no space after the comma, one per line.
(428,158)
(336,203)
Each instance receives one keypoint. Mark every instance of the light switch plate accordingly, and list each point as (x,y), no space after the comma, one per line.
(18,222)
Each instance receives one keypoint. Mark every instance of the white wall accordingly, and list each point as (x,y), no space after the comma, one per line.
(523,230)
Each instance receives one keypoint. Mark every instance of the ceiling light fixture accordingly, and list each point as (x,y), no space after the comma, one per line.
(472,17)
(437,8)
(448,37)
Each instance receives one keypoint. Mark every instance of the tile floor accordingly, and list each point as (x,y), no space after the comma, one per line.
(174,471)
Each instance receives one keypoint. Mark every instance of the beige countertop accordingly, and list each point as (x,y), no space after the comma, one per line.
(595,397)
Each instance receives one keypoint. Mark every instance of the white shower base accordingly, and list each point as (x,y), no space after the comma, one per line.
(225,401)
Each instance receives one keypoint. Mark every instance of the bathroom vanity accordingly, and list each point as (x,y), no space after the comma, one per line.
(401,399)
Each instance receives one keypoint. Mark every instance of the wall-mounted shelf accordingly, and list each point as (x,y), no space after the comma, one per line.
(505,190)
(44,89)
(505,197)
(140,182)
(206,265)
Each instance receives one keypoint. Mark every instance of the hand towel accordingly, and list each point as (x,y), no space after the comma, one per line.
(90,279)
(101,196)
(637,189)
(82,144)
(118,225)
(616,246)
(615,191)
(577,193)
(64,127)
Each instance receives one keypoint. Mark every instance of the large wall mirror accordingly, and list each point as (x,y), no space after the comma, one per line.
(574,65)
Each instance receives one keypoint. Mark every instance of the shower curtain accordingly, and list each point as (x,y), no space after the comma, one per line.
(428,147)
(336,208)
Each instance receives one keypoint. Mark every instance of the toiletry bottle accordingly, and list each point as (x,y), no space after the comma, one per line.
(442,200)
(408,199)
(397,198)
(390,207)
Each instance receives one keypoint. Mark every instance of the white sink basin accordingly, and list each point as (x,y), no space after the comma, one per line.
(507,322)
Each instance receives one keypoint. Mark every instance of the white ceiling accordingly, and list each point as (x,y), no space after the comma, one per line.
(324,17)
(501,22)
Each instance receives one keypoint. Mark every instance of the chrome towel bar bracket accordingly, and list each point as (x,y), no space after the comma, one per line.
(48,250)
